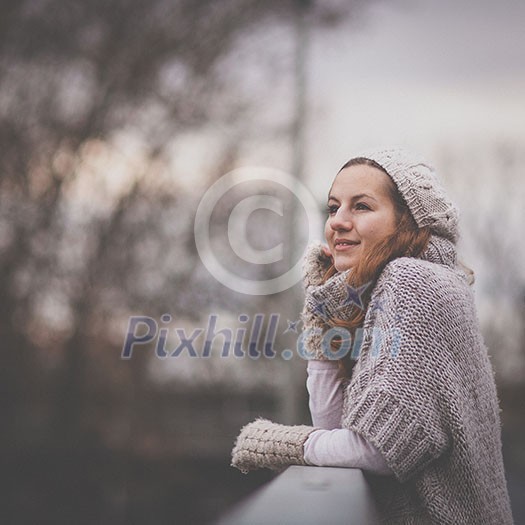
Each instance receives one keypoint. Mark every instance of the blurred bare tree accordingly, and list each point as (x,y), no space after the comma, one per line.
(72,75)
(81,247)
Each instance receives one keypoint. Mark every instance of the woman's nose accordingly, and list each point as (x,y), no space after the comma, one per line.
(340,221)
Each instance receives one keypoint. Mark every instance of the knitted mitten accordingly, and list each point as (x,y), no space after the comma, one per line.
(331,300)
(322,301)
(263,444)
(315,265)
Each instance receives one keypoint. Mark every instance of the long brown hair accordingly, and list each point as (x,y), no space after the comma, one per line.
(407,241)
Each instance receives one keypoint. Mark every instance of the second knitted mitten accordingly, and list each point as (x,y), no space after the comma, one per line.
(333,299)
(315,265)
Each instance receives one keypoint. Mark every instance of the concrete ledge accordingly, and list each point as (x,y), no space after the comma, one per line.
(308,496)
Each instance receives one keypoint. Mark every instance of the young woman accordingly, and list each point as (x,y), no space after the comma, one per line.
(399,378)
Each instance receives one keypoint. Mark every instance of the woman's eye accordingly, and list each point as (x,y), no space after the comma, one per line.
(362,206)
(331,209)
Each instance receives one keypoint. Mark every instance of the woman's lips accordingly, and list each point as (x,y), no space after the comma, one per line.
(345,247)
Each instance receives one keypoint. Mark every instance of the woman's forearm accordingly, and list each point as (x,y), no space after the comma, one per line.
(326,395)
(344,448)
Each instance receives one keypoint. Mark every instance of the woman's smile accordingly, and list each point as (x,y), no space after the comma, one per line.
(341,245)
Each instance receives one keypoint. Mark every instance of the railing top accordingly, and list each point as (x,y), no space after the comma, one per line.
(308,496)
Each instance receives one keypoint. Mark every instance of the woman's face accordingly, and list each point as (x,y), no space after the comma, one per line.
(360,213)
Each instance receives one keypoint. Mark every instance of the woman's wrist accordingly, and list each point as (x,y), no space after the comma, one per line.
(322,364)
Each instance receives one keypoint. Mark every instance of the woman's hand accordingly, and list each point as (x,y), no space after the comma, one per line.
(326,251)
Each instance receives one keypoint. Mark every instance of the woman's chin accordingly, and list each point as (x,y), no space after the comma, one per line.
(342,263)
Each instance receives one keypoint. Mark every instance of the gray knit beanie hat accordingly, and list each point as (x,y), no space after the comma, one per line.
(419,186)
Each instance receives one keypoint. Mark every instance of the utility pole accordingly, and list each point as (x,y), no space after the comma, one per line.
(294,370)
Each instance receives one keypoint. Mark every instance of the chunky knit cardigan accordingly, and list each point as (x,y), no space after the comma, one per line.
(423,392)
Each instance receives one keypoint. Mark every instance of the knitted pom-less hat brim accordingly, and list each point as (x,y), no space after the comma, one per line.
(419,186)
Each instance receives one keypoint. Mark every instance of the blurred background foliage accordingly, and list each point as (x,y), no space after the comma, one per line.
(115,116)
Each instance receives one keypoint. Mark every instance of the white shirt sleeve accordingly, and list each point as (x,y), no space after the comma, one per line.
(332,446)
(326,394)
(342,447)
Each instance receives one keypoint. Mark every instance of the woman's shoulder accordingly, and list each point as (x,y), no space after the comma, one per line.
(421,277)
(422,293)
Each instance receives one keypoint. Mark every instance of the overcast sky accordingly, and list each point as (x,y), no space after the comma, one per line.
(418,73)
